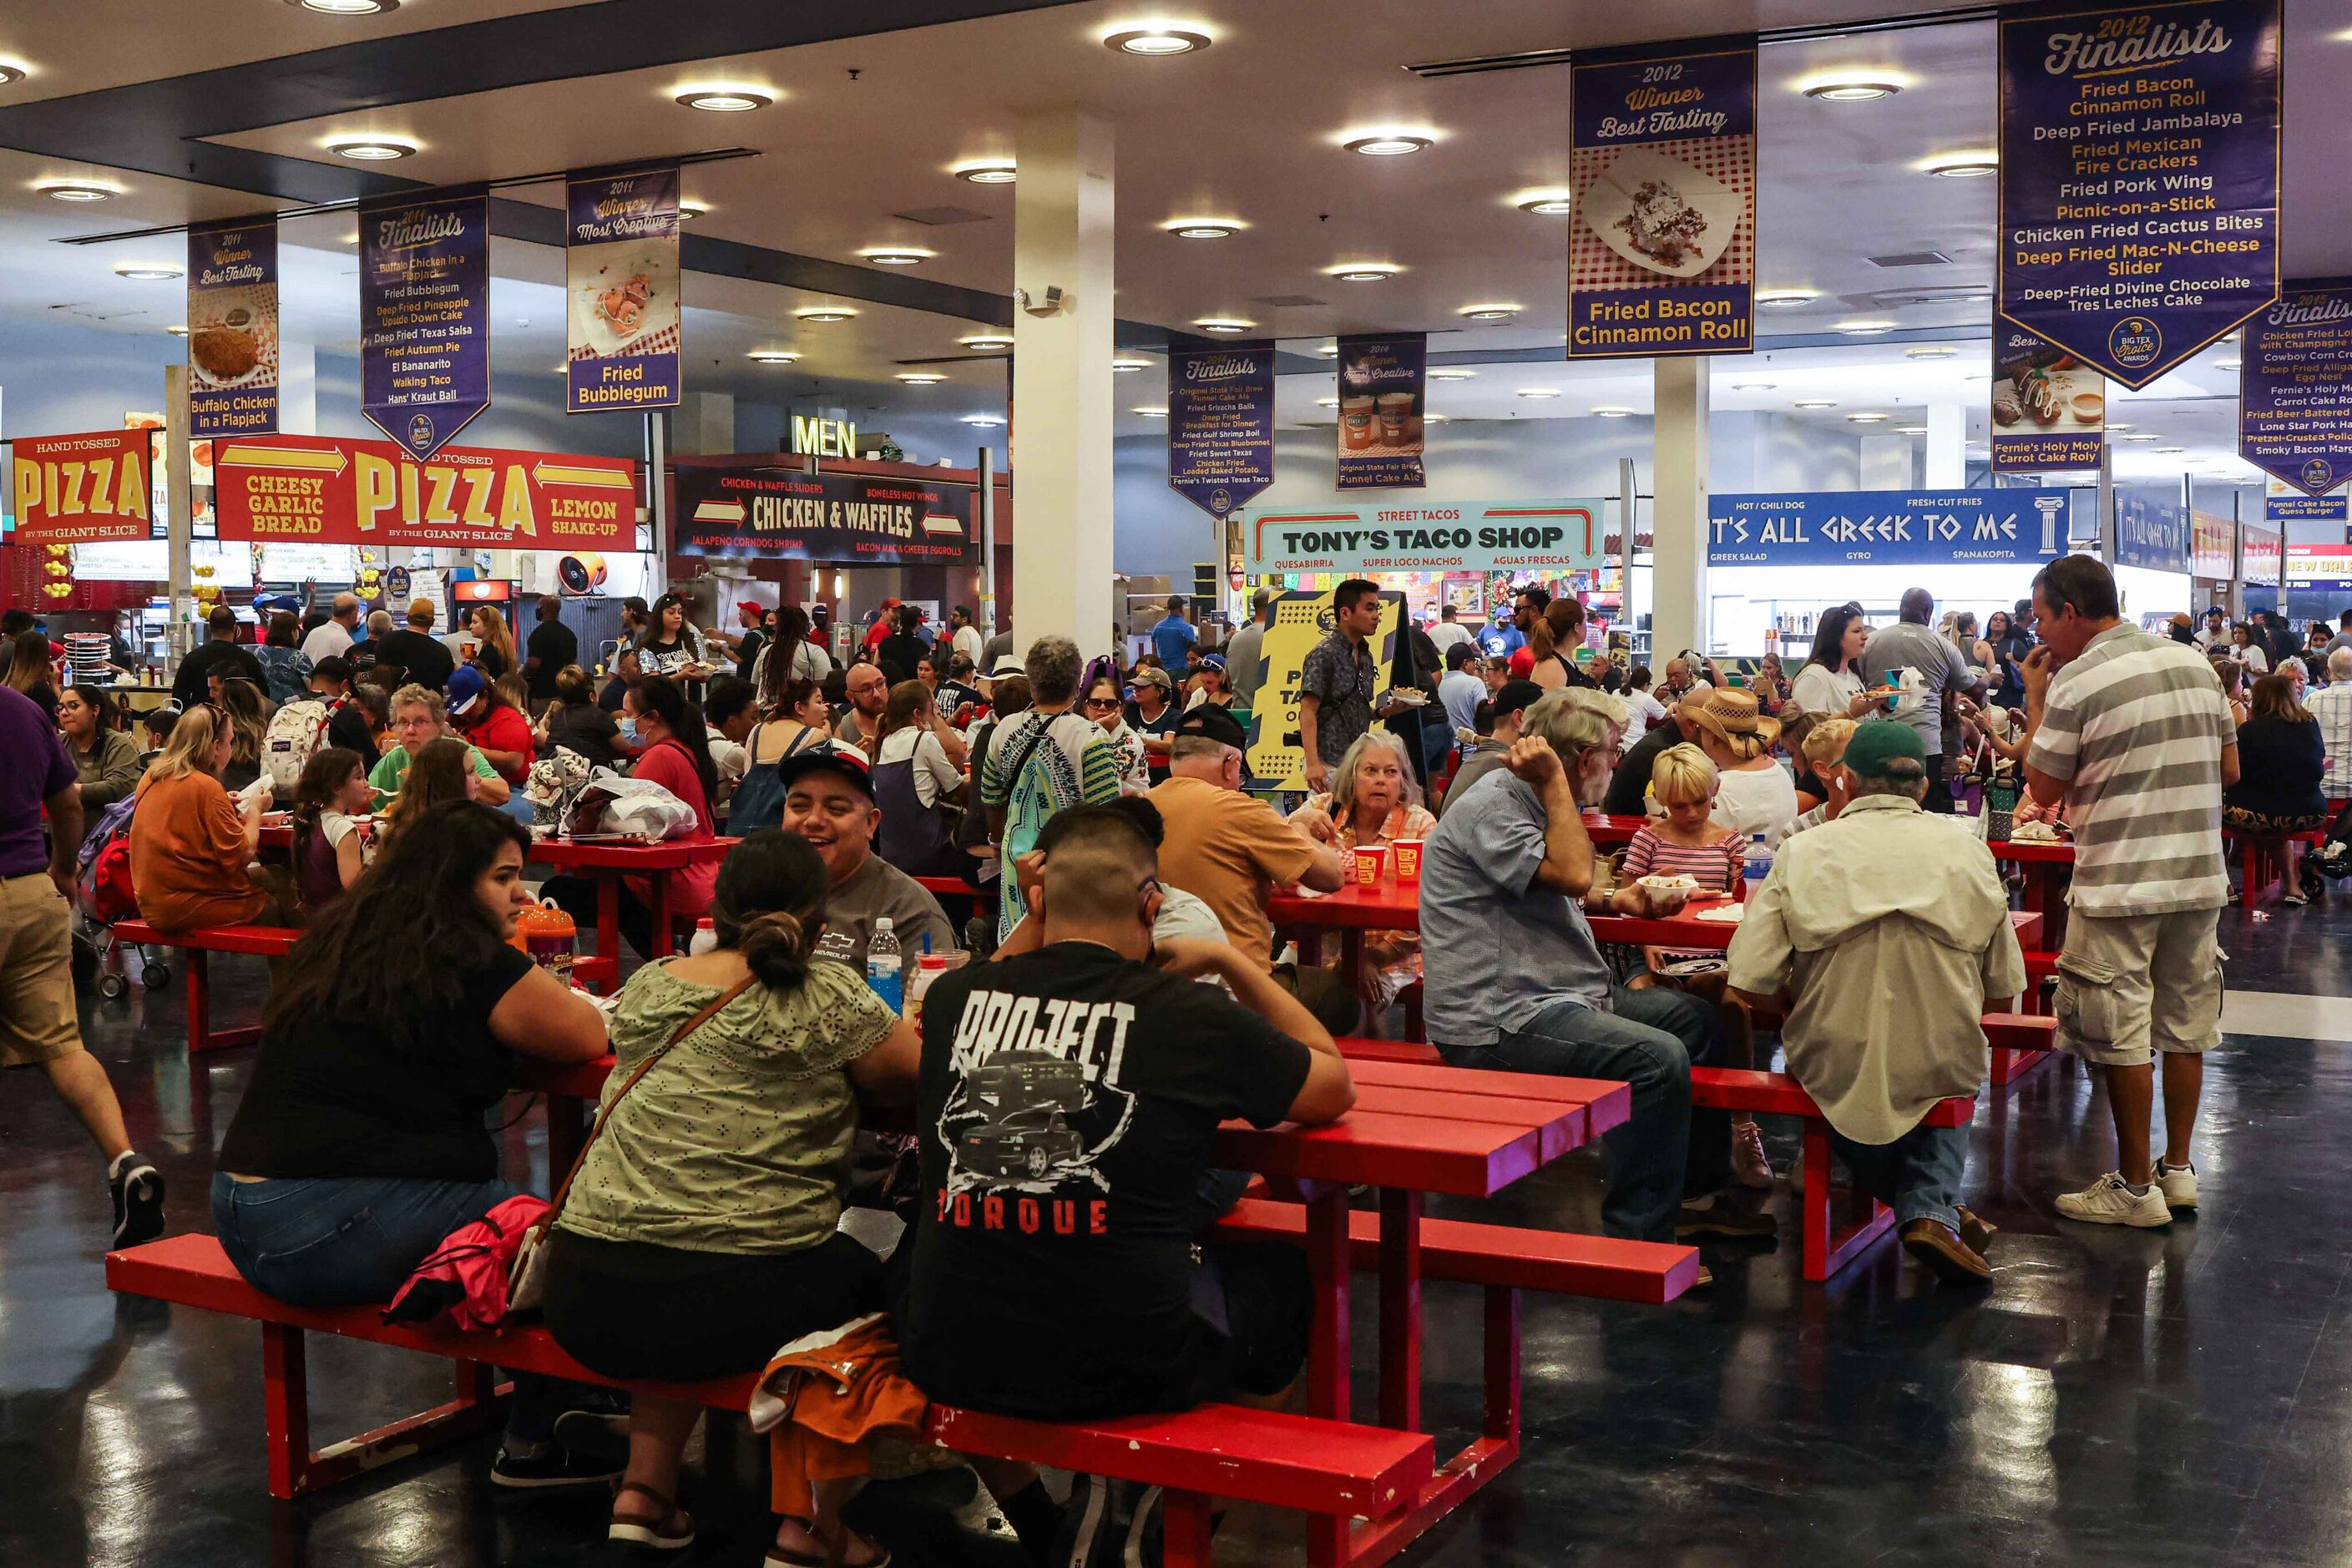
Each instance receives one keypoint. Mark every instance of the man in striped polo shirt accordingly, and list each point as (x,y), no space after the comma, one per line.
(2131,733)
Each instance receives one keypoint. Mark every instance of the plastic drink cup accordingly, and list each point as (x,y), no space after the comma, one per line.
(1371,858)
(1408,860)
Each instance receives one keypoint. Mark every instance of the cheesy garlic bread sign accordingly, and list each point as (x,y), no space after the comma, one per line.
(315,491)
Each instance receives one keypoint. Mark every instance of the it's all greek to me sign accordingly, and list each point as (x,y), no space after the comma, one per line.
(2140,177)
(1887,528)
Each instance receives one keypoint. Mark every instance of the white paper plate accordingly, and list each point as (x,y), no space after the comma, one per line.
(1610,197)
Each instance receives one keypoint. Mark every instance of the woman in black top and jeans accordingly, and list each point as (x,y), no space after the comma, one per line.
(361,1142)
(2281,764)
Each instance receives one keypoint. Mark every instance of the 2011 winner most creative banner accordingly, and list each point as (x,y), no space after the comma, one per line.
(1662,167)
(1221,425)
(2295,397)
(2140,177)
(621,268)
(1382,385)
(424,314)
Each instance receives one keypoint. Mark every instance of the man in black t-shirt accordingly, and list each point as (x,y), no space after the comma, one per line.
(553,646)
(221,655)
(1631,783)
(425,661)
(1067,1108)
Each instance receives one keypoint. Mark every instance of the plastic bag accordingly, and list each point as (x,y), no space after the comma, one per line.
(608,802)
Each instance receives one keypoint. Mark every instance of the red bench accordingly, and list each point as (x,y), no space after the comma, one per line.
(2267,858)
(1333,1468)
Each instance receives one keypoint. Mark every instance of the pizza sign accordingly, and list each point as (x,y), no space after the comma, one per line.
(79,489)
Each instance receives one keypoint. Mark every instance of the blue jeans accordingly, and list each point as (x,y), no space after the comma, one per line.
(518,805)
(1664,1151)
(1918,1176)
(354,1240)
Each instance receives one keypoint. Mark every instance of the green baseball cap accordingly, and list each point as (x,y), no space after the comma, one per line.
(1878,742)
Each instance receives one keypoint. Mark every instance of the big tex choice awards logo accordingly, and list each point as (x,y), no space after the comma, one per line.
(2135,341)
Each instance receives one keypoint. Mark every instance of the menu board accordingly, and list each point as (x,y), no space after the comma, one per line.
(2049,408)
(1276,757)
(316,490)
(1221,425)
(424,314)
(1662,169)
(2284,504)
(1383,396)
(625,311)
(1887,528)
(70,490)
(2294,398)
(233,326)
(779,513)
(2140,177)
(1494,538)
(2322,566)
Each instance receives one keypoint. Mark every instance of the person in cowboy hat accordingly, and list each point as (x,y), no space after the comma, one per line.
(1756,794)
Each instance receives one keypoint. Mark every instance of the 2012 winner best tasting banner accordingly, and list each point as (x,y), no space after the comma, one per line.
(2140,177)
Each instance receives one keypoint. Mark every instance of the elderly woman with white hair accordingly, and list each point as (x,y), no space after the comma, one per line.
(1373,800)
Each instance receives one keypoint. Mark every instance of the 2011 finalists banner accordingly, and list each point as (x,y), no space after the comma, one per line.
(1221,425)
(2140,177)
(622,270)
(1662,169)
(424,314)
(1887,528)
(1382,395)
(232,328)
(2295,391)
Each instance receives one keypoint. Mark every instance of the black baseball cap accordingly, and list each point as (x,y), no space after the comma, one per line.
(826,757)
(1210,722)
(1515,696)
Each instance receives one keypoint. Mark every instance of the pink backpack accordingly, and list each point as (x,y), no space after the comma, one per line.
(466,1274)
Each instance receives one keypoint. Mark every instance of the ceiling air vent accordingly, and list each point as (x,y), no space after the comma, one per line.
(1911,258)
(939,217)
(1288,301)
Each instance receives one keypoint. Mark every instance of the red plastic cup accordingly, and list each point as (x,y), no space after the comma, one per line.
(1408,860)
(1371,858)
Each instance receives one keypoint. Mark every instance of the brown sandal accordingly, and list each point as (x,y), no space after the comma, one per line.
(671,1529)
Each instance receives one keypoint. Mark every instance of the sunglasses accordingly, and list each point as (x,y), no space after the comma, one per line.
(1102,702)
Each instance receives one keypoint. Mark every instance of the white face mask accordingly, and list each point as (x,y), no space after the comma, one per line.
(629,728)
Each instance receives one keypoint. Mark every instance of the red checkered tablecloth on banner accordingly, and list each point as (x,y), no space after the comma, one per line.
(1593,265)
(664,342)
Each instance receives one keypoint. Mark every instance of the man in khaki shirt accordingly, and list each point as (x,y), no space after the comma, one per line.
(1889,929)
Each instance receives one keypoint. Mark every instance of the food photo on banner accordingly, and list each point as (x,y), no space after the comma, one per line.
(317,490)
(1662,169)
(2049,409)
(2140,177)
(1383,396)
(1275,757)
(786,514)
(625,310)
(1221,425)
(1887,528)
(1499,539)
(233,326)
(2295,388)
(424,314)
(70,490)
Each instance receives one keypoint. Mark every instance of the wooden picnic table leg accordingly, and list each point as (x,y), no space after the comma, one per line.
(1401,1309)
(1327,1357)
(661,915)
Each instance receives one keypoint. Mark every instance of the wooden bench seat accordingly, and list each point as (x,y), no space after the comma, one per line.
(266,941)
(1330,1468)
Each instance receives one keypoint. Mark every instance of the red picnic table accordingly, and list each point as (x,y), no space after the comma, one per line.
(606,861)
(2047,868)
(1611,829)
(1414,1129)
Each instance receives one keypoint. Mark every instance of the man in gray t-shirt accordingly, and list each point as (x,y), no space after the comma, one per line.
(1912,643)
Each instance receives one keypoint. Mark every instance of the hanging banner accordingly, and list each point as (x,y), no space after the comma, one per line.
(784,514)
(1887,528)
(621,269)
(1490,537)
(2049,409)
(1277,757)
(2140,177)
(1382,399)
(2295,397)
(2212,545)
(2152,529)
(68,490)
(1221,425)
(1662,167)
(424,314)
(232,328)
(2284,504)
(317,490)
(2262,554)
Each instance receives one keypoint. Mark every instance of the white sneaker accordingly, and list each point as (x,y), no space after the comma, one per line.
(2109,1201)
(2178,1183)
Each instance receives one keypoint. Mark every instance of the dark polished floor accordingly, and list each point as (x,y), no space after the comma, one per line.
(2118,1398)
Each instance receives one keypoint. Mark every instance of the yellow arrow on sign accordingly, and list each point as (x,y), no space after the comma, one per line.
(331,462)
(595,478)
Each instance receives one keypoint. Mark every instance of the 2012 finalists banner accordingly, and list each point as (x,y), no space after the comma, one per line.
(2295,391)
(1221,425)
(232,328)
(1382,395)
(424,314)
(622,270)
(2140,177)
(1662,169)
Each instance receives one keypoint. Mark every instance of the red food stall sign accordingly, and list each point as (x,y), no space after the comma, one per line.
(320,491)
(73,490)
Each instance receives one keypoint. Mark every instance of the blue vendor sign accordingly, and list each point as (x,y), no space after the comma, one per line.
(1887,528)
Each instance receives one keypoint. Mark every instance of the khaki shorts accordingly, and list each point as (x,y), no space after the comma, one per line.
(37,999)
(2130,986)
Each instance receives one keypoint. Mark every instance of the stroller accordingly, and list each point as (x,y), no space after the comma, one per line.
(101,897)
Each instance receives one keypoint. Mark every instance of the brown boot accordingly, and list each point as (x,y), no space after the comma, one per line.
(1939,1247)
(1974,1230)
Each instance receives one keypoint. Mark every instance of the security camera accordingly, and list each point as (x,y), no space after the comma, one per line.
(1057,299)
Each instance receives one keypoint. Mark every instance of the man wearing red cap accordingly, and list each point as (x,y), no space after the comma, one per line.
(747,643)
(886,621)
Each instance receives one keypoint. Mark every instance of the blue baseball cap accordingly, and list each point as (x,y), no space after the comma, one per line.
(466,688)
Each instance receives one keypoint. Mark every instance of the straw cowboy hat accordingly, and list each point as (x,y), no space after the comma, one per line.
(1730,714)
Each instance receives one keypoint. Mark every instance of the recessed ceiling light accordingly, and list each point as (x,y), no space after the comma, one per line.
(76,190)
(1452,374)
(2227,338)
(1865,418)
(820,314)
(1158,38)
(1540,392)
(1930,350)
(1780,299)
(1327,350)
(1203,227)
(1127,366)
(921,377)
(1224,326)
(2139,438)
(1437,419)
(1327,403)
(1150,412)
(2170,451)
(726,99)
(1816,403)
(372,149)
(1388,143)
(1851,88)
(1363,271)
(178,331)
(1910,429)
(1864,329)
(688,210)
(347,7)
(13,70)
(991,342)
(149,271)
(985,170)
(896,254)
(985,421)
(350,238)
(1487,313)
(1611,410)
(2227,364)
(772,356)
(1962,165)
(1754,386)
(1545,203)
(2113,430)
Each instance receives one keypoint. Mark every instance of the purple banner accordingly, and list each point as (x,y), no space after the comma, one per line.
(1662,164)
(1383,396)
(620,270)
(2049,409)
(1221,425)
(232,328)
(2140,177)
(2295,397)
(424,314)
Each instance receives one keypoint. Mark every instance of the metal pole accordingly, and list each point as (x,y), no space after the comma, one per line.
(657,449)
(986,512)
(2107,506)
(1625,511)
(180,524)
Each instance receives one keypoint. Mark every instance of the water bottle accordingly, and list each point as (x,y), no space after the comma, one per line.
(1755,864)
(883,970)
(837,947)
(706,937)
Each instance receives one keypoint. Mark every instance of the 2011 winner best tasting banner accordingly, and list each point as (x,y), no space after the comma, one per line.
(2140,177)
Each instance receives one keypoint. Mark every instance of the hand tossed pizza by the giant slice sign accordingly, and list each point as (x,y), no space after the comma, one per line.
(323,491)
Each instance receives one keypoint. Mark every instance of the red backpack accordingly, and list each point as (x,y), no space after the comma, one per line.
(106,889)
